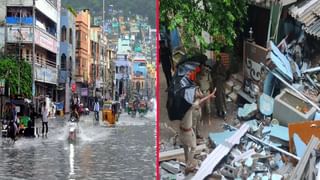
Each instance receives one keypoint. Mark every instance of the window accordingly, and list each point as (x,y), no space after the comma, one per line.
(78,36)
(63,33)
(78,66)
(63,62)
(28,54)
(70,36)
(70,63)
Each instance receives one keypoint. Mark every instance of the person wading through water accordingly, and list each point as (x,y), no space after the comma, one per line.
(45,114)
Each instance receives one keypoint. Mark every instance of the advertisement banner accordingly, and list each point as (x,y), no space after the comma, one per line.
(16,34)
(45,41)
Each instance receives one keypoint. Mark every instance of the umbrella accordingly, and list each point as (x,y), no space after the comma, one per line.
(182,89)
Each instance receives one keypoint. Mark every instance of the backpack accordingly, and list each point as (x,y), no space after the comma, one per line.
(177,105)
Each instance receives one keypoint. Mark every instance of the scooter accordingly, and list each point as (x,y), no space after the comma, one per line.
(83,110)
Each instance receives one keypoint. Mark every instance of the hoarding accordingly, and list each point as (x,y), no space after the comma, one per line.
(19,34)
(46,41)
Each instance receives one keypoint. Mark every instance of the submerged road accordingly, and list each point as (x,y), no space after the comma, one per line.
(126,151)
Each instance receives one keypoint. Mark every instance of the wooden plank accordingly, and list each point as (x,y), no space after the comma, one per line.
(173,154)
(300,169)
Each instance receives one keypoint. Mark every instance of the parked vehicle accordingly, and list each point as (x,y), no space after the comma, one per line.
(111,112)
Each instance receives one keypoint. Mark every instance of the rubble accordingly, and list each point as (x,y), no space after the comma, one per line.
(173,154)
(247,111)
(279,141)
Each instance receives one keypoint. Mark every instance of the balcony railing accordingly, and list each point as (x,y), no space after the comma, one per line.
(18,20)
(41,61)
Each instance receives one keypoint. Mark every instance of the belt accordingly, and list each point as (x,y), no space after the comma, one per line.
(185,129)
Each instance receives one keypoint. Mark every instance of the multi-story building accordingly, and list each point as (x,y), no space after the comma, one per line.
(110,73)
(105,57)
(31,32)
(94,79)
(67,57)
(139,74)
(123,68)
(82,64)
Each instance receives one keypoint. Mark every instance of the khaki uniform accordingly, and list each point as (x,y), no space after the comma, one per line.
(196,119)
(187,136)
(204,80)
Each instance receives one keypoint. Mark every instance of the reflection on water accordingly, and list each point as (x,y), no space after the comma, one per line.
(71,161)
(99,153)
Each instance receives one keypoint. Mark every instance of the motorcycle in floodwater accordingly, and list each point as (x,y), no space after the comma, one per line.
(73,127)
(74,117)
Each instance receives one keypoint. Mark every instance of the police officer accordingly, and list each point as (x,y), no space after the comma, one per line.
(187,135)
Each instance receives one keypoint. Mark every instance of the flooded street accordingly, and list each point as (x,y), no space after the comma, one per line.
(126,151)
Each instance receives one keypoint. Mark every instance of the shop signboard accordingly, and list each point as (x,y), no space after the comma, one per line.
(45,41)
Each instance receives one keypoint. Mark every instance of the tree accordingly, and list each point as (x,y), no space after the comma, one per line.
(9,70)
(222,19)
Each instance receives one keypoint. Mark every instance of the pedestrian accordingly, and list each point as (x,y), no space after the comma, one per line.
(96,109)
(166,61)
(187,135)
(45,114)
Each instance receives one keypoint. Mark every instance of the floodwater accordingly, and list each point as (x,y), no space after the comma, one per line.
(126,151)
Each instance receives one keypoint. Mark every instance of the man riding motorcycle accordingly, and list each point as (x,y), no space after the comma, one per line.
(75,116)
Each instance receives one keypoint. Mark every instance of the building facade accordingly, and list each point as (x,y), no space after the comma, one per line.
(67,57)
(31,32)
(82,63)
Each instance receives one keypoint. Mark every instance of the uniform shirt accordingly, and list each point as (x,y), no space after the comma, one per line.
(186,122)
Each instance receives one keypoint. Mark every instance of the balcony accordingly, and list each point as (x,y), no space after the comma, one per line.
(41,61)
(48,8)
(18,20)
(47,74)
(25,35)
